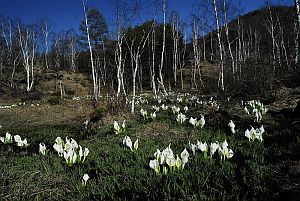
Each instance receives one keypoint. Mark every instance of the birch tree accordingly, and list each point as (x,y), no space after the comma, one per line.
(297,5)
(221,64)
(27,38)
(161,80)
(136,48)
(94,74)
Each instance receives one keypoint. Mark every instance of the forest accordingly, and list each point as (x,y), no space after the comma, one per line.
(166,108)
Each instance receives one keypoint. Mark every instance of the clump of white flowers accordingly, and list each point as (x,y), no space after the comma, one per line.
(224,152)
(154,107)
(70,150)
(7,139)
(165,161)
(42,149)
(21,143)
(185,109)
(257,110)
(127,142)
(196,123)
(144,113)
(175,109)
(164,107)
(119,129)
(153,115)
(231,126)
(255,133)
(181,118)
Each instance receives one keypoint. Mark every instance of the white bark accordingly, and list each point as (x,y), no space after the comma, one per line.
(95,81)
(161,80)
(297,5)
(27,40)
(221,73)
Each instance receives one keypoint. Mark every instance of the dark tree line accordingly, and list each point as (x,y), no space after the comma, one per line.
(262,45)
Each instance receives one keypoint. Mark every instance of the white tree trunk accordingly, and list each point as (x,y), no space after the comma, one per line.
(95,83)
(221,73)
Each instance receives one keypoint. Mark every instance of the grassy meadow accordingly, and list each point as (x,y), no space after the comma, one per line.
(256,171)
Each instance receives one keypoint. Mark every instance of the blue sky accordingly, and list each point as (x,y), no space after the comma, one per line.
(68,13)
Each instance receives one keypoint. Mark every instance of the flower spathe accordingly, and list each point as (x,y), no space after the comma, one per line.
(154,164)
(255,133)
(153,115)
(85,178)
(181,118)
(232,126)
(42,149)
(144,113)
(213,148)
(20,142)
(127,142)
(7,139)
(136,144)
(70,150)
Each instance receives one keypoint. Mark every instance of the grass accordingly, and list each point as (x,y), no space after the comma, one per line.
(116,173)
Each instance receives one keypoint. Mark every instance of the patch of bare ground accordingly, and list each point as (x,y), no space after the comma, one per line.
(67,112)
(160,130)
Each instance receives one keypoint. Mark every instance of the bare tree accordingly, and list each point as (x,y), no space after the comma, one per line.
(161,80)
(297,5)
(175,35)
(27,38)
(221,64)
(94,74)
(136,49)
(46,29)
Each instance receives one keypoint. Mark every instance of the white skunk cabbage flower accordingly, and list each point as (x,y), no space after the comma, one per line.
(136,144)
(153,115)
(59,148)
(70,156)
(164,107)
(20,142)
(185,109)
(193,147)
(194,122)
(42,148)
(123,125)
(179,99)
(175,109)
(85,178)
(213,148)
(224,152)
(184,156)
(202,121)
(127,142)
(117,128)
(171,161)
(144,113)
(247,134)
(85,153)
(58,140)
(232,126)
(154,164)
(181,118)
(255,133)
(202,146)
(154,107)
(7,139)
(178,163)
(246,110)
(167,152)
